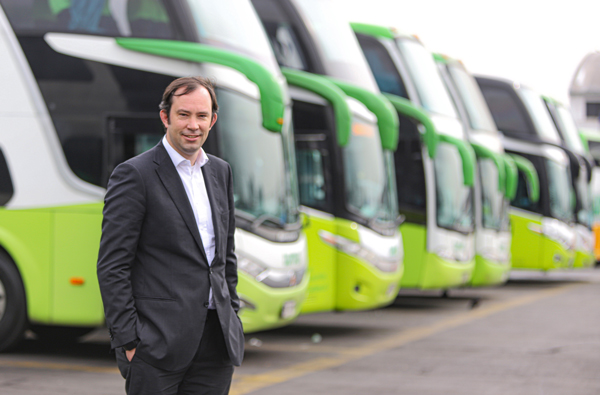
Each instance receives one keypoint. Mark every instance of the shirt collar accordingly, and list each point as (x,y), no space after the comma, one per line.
(177,158)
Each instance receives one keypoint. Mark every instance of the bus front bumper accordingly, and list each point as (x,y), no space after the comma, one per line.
(360,286)
(264,307)
(487,272)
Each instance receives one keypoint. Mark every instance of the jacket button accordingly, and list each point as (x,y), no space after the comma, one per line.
(210,271)
(206,304)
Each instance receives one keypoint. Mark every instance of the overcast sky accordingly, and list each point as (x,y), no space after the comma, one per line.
(538,43)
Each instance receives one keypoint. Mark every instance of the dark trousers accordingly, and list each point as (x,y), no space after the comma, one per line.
(209,373)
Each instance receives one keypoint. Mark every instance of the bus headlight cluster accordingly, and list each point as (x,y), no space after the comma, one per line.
(557,231)
(385,264)
(445,253)
(273,277)
(585,239)
(456,255)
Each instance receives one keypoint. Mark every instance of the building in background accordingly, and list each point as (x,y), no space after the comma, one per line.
(584,92)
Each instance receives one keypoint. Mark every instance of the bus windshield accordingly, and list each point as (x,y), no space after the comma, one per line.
(454,200)
(584,215)
(369,176)
(492,200)
(559,190)
(540,115)
(431,90)
(479,115)
(341,52)
(259,159)
(569,129)
(240,31)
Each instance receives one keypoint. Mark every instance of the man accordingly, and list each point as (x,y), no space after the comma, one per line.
(166,266)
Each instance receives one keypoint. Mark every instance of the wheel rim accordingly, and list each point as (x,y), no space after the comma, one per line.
(2,300)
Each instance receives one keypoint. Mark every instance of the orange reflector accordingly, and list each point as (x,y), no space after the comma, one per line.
(280,121)
(360,129)
(77,281)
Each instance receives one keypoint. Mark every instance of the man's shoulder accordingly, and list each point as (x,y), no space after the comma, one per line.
(217,162)
(145,158)
(141,165)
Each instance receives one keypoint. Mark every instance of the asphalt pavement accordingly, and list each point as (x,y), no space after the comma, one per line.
(538,334)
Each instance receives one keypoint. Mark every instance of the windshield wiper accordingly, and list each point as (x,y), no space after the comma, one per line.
(261,219)
(373,222)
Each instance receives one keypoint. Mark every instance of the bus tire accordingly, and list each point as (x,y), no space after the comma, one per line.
(13,305)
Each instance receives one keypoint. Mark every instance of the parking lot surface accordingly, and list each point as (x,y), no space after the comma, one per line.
(538,334)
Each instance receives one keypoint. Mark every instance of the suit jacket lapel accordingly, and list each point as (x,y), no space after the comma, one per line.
(170,178)
(214,194)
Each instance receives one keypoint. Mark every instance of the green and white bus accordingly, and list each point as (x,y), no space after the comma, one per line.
(345,135)
(434,162)
(591,141)
(85,80)
(584,165)
(542,236)
(496,175)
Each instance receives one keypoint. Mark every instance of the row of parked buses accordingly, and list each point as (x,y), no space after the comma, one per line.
(362,162)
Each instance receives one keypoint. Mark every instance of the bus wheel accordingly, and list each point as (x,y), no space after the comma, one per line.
(60,334)
(13,310)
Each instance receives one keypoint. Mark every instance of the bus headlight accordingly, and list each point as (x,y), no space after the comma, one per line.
(385,264)
(273,277)
(445,253)
(557,231)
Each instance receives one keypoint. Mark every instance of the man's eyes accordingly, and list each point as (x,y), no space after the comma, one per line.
(185,115)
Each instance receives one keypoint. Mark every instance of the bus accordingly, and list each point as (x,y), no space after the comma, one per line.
(86,83)
(345,135)
(496,175)
(591,141)
(543,238)
(434,162)
(584,163)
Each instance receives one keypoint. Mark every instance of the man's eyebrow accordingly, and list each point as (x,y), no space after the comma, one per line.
(197,112)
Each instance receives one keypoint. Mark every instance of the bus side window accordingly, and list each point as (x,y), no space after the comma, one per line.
(6,185)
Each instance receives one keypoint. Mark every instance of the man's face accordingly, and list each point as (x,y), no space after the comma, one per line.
(190,121)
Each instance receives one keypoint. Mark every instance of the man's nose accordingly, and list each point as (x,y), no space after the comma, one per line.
(194,123)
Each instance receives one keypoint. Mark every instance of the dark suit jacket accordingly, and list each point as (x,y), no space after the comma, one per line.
(153,273)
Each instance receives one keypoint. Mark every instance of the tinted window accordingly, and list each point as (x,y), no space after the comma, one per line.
(592,109)
(129,18)
(6,186)
(382,66)
(522,199)
(283,35)
(312,124)
(311,178)
(103,114)
(505,110)
(410,174)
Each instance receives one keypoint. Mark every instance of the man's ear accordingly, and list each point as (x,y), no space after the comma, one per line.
(164,118)
(213,120)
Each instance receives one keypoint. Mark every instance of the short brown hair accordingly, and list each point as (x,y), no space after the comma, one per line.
(189,84)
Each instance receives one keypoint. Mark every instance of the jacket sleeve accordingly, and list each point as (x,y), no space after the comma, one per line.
(124,210)
(231,274)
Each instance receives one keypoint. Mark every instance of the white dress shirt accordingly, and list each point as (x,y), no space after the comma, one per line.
(195,188)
